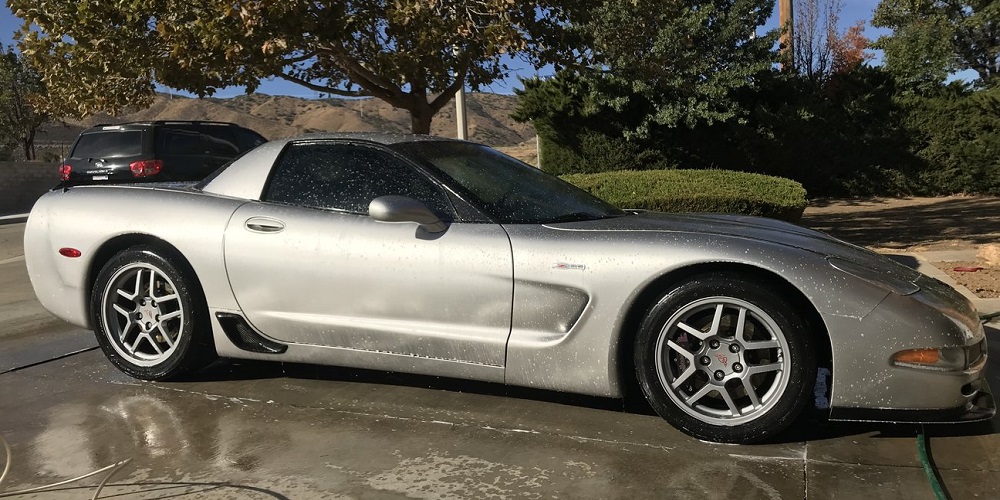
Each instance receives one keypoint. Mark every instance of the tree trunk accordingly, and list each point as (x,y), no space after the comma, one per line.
(420,120)
(29,145)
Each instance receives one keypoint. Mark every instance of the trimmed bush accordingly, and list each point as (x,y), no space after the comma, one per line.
(717,191)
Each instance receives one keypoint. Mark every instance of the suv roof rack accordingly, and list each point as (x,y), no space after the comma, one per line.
(192,122)
(167,122)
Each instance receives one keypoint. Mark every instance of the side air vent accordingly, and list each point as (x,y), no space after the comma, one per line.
(245,337)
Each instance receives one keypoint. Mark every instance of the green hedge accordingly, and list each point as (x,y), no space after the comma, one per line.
(718,191)
(590,152)
(957,135)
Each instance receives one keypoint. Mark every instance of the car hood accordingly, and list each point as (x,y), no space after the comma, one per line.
(745,227)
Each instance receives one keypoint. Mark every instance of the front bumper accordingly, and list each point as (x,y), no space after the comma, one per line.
(867,375)
(980,406)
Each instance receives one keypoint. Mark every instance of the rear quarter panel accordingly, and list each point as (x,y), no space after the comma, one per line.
(88,218)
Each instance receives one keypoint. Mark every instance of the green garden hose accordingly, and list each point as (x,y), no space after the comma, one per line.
(929,470)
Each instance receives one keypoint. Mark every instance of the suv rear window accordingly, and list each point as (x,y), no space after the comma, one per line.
(110,144)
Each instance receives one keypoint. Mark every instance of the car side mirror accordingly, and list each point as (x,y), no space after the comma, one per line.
(405,209)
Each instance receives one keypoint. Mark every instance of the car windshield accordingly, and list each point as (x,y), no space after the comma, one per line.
(510,191)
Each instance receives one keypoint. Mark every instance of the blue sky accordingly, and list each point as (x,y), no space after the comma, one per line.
(854,10)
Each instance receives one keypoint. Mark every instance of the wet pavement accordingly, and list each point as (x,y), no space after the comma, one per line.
(254,430)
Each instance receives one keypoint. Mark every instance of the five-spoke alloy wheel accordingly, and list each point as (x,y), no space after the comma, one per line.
(725,359)
(145,311)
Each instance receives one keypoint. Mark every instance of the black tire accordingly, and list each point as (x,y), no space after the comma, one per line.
(675,367)
(166,321)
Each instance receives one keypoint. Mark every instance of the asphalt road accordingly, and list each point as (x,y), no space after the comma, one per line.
(28,333)
(251,430)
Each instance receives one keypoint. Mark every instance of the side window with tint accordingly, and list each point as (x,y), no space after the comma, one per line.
(249,139)
(220,141)
(177,141)
(190,141)
(347,178)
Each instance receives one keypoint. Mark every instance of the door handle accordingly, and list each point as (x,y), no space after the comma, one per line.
(264,225)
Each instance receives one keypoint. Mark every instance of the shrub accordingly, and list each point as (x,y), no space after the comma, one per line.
(844,138)
(718,191)
(957,134)
(591,152)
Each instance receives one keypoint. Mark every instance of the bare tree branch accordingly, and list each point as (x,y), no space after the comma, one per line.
(304,57)
(448,92)
(363,75)
(322,88)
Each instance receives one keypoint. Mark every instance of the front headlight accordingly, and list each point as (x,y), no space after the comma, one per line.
(885,280)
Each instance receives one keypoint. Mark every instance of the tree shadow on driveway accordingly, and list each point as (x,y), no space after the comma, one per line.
(907,223)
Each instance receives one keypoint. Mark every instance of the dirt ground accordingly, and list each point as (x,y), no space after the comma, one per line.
(979,277)
(919,225)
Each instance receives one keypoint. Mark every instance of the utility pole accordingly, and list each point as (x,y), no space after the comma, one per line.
(538,151)
(787,41)
(463,128)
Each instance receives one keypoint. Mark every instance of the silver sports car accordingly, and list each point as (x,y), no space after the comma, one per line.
(432,256)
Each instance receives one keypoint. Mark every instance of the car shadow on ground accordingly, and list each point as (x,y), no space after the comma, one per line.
(251,370)
(810,426)
(975,220)
(165,489)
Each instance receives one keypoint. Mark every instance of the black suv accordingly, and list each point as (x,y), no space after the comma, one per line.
(155,151)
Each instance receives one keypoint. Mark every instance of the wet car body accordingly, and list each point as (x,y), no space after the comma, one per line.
(553,305)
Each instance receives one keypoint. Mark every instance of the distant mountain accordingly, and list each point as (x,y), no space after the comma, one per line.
(281,116)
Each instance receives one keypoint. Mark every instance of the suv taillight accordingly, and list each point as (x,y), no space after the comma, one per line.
(145,168)
(64,172)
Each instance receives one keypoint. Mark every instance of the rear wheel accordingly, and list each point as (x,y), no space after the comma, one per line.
(724,358)
(150,316)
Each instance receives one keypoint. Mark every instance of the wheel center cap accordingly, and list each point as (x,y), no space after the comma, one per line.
(148,314)
(722,359)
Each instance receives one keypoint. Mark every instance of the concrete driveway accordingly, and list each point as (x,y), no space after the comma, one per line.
(251,430)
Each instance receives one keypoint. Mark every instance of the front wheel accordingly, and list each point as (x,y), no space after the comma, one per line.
(725,359)
(149,315)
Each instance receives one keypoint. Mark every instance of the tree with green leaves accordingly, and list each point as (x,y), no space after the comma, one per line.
(682,60)
(660,70)
(414,54)
(21,89)
(934,38)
